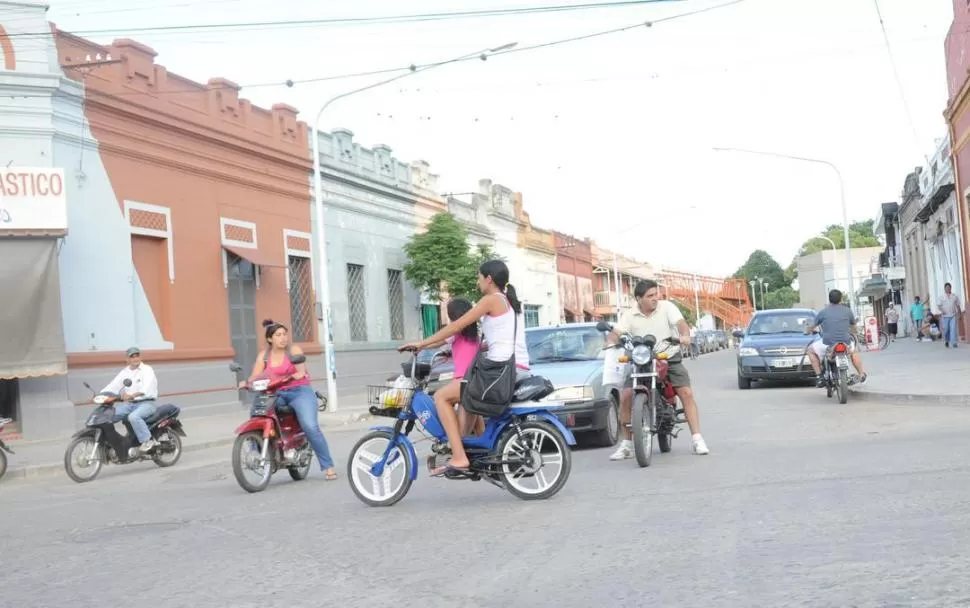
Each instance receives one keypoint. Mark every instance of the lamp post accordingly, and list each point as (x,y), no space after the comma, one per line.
(845,210)
(764,295)
(754,295)
(329,355)
(835,278)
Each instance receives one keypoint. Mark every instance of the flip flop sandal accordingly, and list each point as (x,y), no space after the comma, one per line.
(331,476)
(449,470)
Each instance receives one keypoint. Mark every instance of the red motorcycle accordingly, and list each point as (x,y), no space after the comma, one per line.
(655,411)
(272,438)
(3,448)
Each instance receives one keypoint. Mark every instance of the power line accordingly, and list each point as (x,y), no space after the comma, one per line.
(519,49)
(899,82)
(411,18)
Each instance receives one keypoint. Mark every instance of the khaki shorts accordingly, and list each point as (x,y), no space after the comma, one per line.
(677,374)
(820,348)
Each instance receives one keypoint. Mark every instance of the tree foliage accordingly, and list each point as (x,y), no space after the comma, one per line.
(861,234)
(761,265)
(440,258)
(688,313)
(786,297)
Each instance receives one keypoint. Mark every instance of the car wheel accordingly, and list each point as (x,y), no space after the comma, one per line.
(610,433)
(743,383)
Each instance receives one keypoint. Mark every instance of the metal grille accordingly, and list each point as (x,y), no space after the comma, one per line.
(357,302)
(395,303)
(301,299)
(531,315)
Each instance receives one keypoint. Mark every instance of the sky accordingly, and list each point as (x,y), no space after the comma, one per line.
(610,137)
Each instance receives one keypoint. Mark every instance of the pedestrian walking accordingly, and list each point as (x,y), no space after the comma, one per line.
(892,321)
(916,314)
(949,308)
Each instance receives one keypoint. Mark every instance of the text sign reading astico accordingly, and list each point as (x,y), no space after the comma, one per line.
(32,198)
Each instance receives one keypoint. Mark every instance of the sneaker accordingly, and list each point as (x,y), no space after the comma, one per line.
(699,446)
(624,451)
(147,446)
(819,381)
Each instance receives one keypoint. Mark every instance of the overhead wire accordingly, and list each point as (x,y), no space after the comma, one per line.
(384,19)
(413,67)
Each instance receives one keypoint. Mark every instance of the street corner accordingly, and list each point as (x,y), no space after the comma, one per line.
(902,396)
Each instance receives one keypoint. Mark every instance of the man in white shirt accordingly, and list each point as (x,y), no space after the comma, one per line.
(949,307)
(661,319)
(139,398)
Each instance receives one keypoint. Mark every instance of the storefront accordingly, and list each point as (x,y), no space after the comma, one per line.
(33,221)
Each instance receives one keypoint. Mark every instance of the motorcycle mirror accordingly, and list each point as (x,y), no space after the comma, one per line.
(604,326)
(87,386)
(127,382)
(298,359)
(235,367)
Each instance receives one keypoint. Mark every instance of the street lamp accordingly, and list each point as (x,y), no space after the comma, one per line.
(754,295)
(329,355)
(764,294)
(845,210)
(835,278)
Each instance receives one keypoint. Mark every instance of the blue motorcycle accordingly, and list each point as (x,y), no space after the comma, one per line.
(525,450)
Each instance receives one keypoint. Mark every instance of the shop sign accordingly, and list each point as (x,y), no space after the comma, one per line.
(32,198)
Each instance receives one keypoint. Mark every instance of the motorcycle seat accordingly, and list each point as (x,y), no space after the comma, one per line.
(162,412)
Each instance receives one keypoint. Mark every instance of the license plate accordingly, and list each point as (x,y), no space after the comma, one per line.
(784,362)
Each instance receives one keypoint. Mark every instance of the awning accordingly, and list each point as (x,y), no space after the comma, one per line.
(255,256)
(569,311)
(934,202)
(874,288)
(30,310)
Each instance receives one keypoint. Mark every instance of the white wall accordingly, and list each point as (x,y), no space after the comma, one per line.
(823,271)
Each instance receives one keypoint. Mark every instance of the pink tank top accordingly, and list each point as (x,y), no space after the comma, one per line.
(285,368)
(463,352)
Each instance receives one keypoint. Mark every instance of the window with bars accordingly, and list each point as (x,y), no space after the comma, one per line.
(531,313)
(301,299)
(357,302)
(395,302)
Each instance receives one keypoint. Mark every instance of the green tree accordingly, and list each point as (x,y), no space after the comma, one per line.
(440,258)
(761,265)
(861,234)
(786,297)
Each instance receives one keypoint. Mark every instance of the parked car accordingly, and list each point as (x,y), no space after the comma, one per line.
(774,347)
(722,339)
(571,357)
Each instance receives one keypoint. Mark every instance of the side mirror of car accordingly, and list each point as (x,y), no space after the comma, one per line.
(604,326)
(297,359)
(737,333)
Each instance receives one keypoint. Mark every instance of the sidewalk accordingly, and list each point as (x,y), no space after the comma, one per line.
(917,373)
(39,459)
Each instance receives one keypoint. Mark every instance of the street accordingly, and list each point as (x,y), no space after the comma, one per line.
(801,502)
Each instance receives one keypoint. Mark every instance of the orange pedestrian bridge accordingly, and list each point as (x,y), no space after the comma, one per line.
(727,300)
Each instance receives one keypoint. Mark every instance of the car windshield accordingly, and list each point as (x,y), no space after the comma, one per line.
(780,323)
(565,344)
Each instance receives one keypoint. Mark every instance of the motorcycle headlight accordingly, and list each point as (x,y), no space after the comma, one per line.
(747,351)
(641,355)
(260,385)
(100,399)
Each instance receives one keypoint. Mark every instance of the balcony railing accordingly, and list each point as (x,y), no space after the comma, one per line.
(602,299)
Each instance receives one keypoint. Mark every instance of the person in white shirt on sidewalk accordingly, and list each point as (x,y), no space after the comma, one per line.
(949,308)
(139,398)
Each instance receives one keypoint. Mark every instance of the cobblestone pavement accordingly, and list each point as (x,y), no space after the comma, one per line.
(802,502)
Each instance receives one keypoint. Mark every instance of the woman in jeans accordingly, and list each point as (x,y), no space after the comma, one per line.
(275,361)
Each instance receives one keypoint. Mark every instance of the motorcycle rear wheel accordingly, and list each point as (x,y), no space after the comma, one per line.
(536,435)
(299,473)
(843,386)
(641,425)
(170,457)
(238,466)
(69,461)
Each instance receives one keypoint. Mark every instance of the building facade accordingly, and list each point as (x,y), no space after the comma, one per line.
(824,270)
(574,265)
(495,217)
(187,220)
(910,237)
(374,203)
(610,270)
(957,115)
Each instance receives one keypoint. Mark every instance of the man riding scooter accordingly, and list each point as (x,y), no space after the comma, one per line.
(837,323)
(139,398)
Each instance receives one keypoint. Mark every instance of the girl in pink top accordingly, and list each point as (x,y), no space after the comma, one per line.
(464,348)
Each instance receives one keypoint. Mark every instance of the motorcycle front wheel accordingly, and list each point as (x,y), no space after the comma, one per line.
(551,461)
(395,479)
(78,454)
(641,425)
(244,459)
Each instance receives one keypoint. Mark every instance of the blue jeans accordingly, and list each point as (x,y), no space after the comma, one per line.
(136,414)
(949,330)
(304,403)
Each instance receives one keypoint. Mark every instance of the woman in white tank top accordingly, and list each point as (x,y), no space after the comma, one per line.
(497,310)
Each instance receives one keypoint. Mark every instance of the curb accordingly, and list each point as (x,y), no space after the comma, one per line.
(909,398)
(46,471)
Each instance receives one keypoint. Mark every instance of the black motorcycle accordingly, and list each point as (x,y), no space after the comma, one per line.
(99,442)
(836,371)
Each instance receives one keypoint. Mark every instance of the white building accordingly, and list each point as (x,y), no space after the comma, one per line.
(495,217)
(820,272)
(942,247)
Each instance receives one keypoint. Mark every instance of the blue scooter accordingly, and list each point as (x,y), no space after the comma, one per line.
(525,450)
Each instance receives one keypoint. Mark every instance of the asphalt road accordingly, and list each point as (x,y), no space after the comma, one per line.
(802,502)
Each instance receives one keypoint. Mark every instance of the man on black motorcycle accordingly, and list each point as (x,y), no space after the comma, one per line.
(139,398)
(661,319)
(837,324)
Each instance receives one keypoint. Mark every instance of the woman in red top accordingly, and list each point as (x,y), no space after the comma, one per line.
(275,362)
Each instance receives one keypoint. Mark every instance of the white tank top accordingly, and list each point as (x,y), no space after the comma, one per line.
(499,332)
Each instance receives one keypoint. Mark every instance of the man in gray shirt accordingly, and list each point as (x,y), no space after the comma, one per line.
(836,323)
